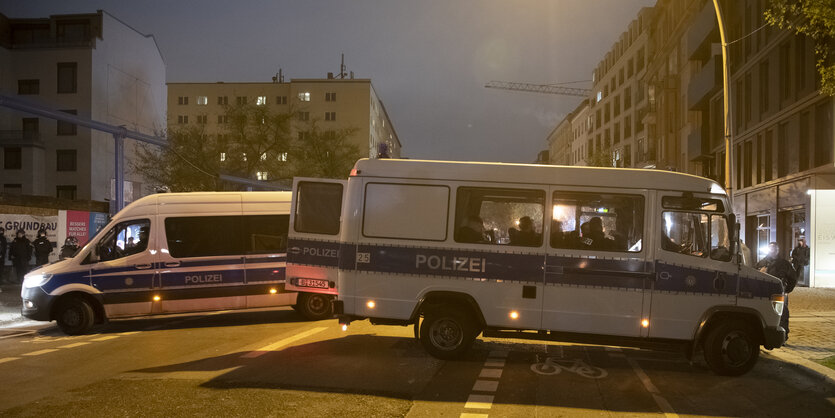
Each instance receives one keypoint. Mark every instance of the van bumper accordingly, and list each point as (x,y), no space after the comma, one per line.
(774,337)
(36,304)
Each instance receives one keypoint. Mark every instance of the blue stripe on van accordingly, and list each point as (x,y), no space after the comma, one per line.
(202,278)
(314,253)
(268,274)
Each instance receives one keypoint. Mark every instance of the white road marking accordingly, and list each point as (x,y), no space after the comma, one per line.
(494,363)
(105,338)
(73,345)
(8,359)
(662,403)
(39,352)
(264,350)
(491,373)
(469,415)
(485,385)
(479,402)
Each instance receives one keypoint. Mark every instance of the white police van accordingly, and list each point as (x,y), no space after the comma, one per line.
(171,253)
(626,257)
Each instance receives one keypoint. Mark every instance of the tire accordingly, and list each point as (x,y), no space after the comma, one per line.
(447,333)
(75,316)
(731,348)
(314,306)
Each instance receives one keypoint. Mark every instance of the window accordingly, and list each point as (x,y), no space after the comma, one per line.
(67,77)
(499,216)
(265,234)
(769,155)
(617,105)
(261,175)
(304,96)
(222,100)
(124,239)
(12,158)
(28,86)
(65,192)
(330,116)
(627,98)
(764,88)
(182,119)
(627,127)
(281,100)
(202,100)
(330,97)
(222,156)
(282,156)
(65,159)
(67,128)
(212,236)
(747,170)
(800,59)
(597,221)
(746,108)
(696,234)
(763,235)
(390,211)
(303,116)
(782,150)
(202,119)
(182,100)
(261,100)
(606,113)
(221,119)
(318,208)
(15,189)
(785,76)
(240,100)
(803,148)
(823,133)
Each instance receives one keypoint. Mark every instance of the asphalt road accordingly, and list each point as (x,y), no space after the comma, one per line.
(272,363)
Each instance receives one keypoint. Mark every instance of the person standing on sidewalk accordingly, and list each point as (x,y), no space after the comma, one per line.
(780,268)
(800,259)
(42,248)
(20,252)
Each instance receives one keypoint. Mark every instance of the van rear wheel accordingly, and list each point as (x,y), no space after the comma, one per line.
(314,306)
(447,333)
(731,348)
(75,316)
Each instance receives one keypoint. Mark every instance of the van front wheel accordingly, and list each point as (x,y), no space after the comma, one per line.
(447,333)
(314,306)
(731,349)
(75,316)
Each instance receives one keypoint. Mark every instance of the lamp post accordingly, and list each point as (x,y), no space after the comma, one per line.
(726,103)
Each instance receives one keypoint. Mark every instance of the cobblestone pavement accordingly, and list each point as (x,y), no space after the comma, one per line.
(812,323)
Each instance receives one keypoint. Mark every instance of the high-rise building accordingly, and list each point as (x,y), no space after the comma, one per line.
(91,65)
(332,103)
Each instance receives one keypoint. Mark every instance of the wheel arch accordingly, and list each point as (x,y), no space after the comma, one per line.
(719,314)
(446,297)
(93,299)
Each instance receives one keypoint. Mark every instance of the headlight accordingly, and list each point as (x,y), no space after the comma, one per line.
(36,280)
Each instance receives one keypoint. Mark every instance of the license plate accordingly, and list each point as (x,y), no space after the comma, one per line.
(319,284)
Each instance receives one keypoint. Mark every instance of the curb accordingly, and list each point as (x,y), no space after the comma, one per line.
(817,369)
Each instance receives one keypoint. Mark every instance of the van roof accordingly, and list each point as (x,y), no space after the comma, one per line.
(536,174)
(209,197)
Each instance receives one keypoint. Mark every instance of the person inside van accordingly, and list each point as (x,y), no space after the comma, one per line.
(140,244)
(558,238)
(471,231)
(525,235)
(598,236)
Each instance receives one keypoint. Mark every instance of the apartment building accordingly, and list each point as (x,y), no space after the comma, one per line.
(559,142)
(333,103)
(782,129)
(92,65)
(581,131)
(619,100)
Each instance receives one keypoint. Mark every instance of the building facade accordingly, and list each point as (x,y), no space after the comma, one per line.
(331,103)
(581,131)
(91,65)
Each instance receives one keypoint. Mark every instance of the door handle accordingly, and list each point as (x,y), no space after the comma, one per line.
(172,264)
(142,266)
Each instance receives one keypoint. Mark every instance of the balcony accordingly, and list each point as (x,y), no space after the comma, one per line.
(9,138)
(698,147)
(705,84)
(703,31)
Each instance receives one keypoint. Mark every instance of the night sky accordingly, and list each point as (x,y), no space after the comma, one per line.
(427,60)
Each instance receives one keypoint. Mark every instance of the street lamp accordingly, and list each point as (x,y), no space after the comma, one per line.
(726,103)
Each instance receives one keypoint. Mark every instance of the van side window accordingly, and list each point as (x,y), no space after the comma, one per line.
(696,234)
(406,211)
(204,236)
(266,234)
(597,221)
(126,238)
(318,207)
(499,216)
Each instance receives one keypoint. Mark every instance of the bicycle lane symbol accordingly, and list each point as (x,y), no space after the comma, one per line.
(553,365)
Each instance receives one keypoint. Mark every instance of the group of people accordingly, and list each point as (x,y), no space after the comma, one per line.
(788,272)
(20,251)
(590,236)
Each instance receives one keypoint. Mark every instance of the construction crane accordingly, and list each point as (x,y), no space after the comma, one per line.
(539,88)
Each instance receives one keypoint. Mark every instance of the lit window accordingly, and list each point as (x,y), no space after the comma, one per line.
(261,100)
(202,100)
(261,175)
(304,96)
(282,156)
(222,156)
(264,157)
(244,156)
(599,96)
